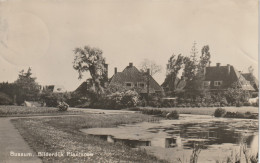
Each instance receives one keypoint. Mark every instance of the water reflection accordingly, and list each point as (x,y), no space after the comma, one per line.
(215,135)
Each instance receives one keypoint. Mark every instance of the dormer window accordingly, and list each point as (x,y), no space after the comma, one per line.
(217,83)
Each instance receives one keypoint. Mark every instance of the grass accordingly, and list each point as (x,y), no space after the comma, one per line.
(62,134)
(205,110)
(9,110)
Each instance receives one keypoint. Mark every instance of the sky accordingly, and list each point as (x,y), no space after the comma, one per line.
(42,34)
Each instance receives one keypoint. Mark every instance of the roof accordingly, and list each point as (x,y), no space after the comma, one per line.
(179,83)
(227,74)
(132,74)
(252,79)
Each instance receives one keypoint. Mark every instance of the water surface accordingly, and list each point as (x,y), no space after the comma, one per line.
(174,139)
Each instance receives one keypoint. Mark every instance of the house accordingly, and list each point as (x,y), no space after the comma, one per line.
(132,78)
(218,78)
(179,84)
(223,77)
(252,79)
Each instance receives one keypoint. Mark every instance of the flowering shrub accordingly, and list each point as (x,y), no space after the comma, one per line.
(124,99)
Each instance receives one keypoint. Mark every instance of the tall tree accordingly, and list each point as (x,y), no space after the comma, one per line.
(88,59)
(27,88)
(149,64)
(173,67)
(191,64)
(204,58)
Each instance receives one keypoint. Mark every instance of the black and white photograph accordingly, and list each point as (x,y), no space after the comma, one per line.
(129,81)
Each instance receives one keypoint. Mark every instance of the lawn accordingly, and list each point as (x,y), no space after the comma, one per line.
(10,110)
(62,134)
(206,110)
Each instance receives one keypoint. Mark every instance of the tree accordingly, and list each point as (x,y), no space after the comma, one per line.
(194,70)
(191,64)
(88,59)
(204,58)
(149,64)
(173,67)
(27,88)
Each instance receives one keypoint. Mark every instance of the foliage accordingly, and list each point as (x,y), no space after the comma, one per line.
(149,64)
(27,88)
(125,99)
(173,67)
(172,115)
(195,153)
(52,99)
(5,99)
(8,89)
(220,112)
(63,106)
(236,94)
(88,59)
(191,65)
(247,115)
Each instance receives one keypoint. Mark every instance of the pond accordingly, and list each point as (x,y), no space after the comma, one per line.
(174,139)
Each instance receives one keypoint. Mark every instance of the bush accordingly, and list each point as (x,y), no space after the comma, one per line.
(5,99)
(238,104)
(247,115)
(63,106)
(172,115)
(219,112)
(119,100)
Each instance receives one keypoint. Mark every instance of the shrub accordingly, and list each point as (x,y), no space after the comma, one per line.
(5,99)
(172,115)
(238,104)
(119,100)
(63,106)
(219,112)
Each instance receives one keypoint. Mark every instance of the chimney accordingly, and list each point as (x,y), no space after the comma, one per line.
(218,64)
(228,69)
(115,70)
(130,64)
(148,71)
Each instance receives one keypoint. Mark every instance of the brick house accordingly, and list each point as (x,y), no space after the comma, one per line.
(132,78)
(222,77)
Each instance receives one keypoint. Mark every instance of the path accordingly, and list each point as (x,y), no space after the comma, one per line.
(11,140)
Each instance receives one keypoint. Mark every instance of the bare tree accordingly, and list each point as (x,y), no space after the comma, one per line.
(150,64)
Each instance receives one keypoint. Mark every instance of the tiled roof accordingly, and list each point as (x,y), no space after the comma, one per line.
(132,74)
(252,79)
(227,74)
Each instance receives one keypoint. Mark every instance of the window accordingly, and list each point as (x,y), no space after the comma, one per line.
(141,85)
(128,84)
(217,83)
(206,83)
